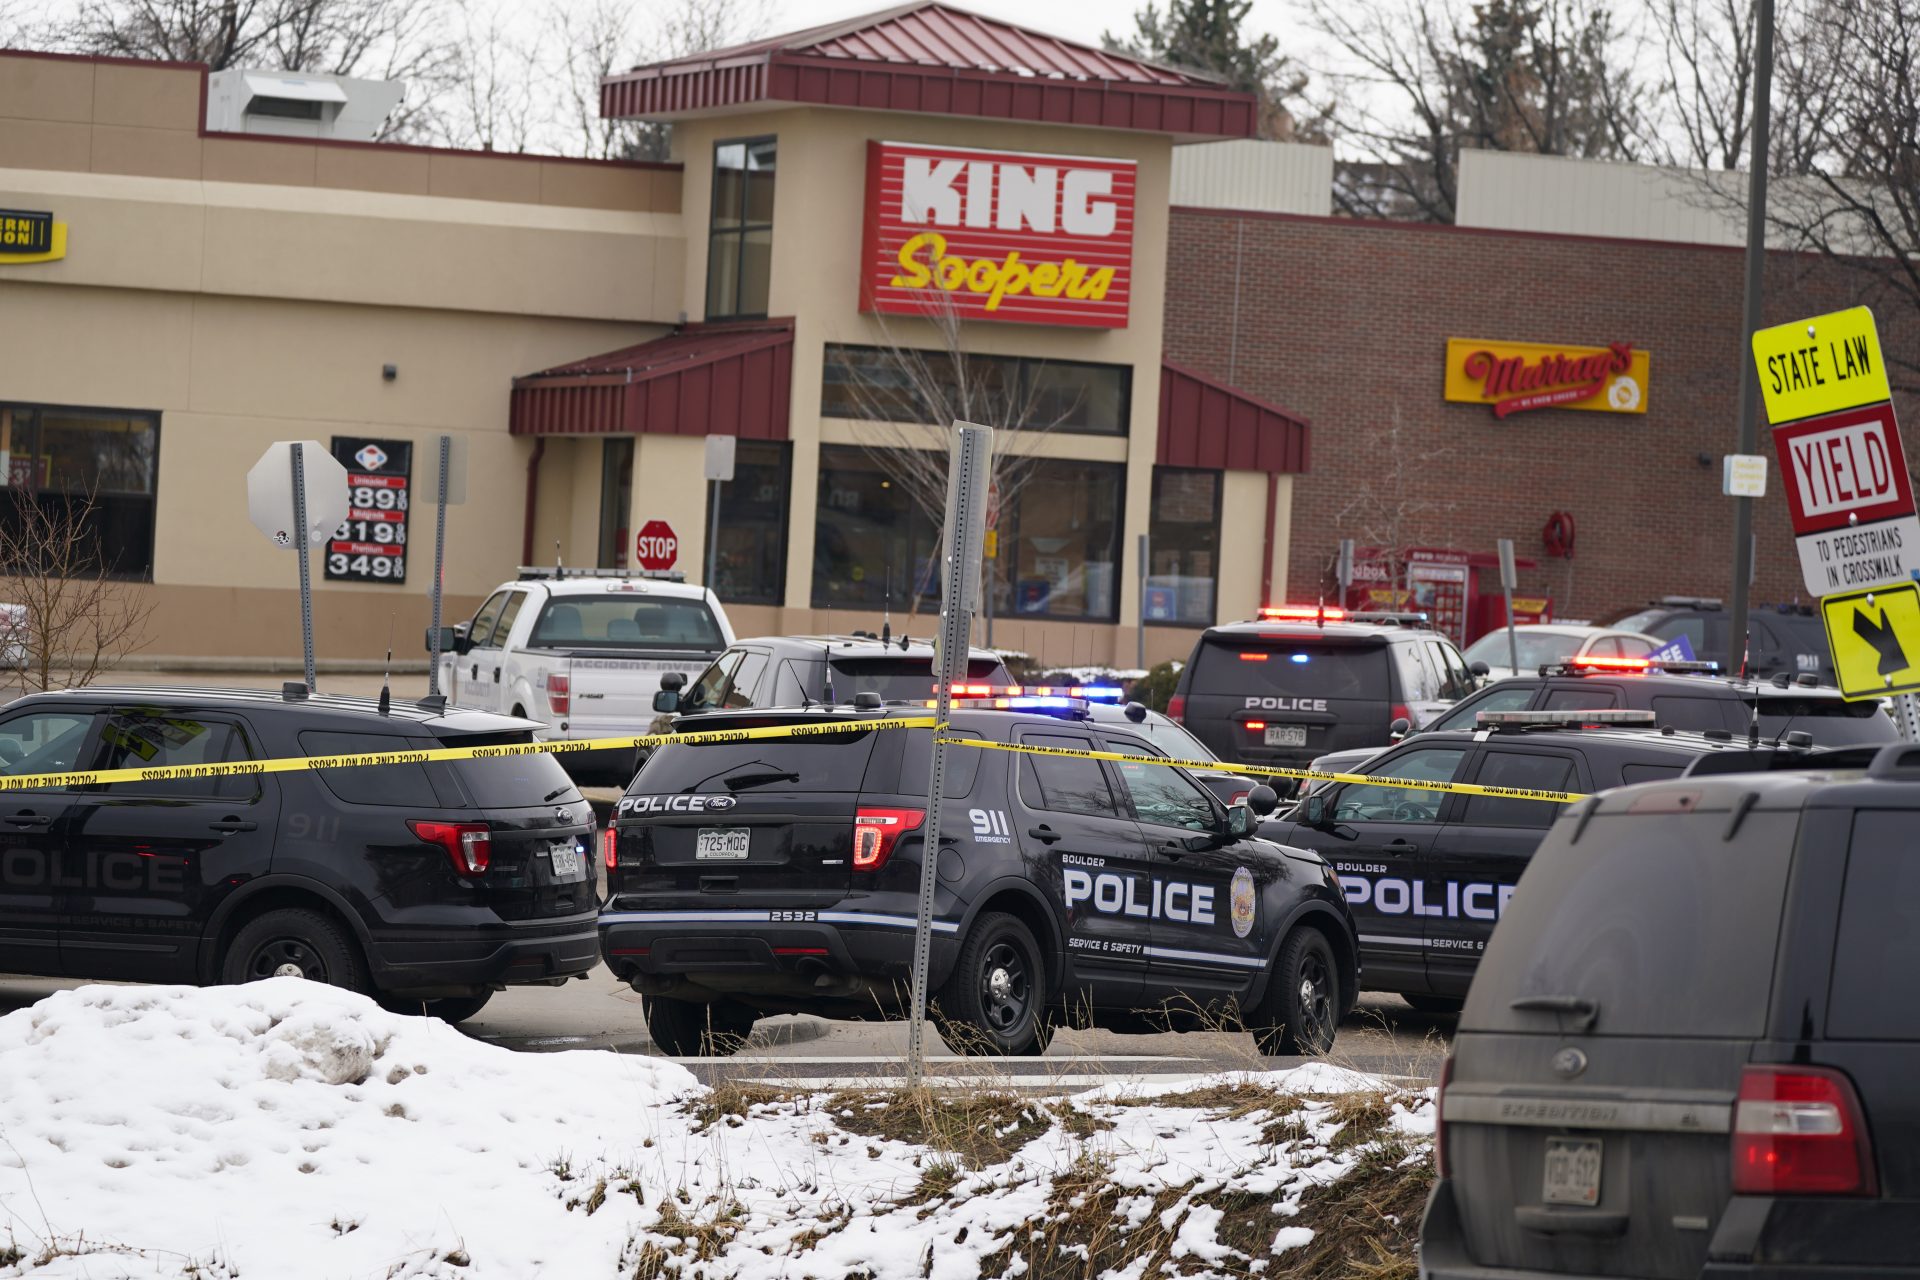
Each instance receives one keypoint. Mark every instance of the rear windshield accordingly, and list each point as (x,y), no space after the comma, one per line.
(1535,647)
(1659,919)
(908,678)
(1308,668)
(626,621)
(1832,723)
(833,762)
(509,782)
(512,782)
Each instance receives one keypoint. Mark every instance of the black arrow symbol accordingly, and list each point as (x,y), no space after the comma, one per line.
(1876,632)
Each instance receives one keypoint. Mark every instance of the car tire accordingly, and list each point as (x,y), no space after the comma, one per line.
(294,942)
(1301,1012)
(693,1029)
(454,1009)
(993,1003)
(1438,1005)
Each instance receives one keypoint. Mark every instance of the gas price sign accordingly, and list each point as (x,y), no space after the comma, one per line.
(371,543)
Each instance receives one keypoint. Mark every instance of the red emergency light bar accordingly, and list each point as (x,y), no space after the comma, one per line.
(1613,664)
(1092,692)
(1302,613)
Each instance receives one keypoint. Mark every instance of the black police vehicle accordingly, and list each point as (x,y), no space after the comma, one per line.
(1429,873)
(1782,639)
(799,671)
(1692,1046)
(782,876)
(1304,681)
(429,885)
(1685,695)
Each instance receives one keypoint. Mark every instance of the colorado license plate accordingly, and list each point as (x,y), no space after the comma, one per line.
(722,845)
(566,861)
(1573,1171)
(1286,735)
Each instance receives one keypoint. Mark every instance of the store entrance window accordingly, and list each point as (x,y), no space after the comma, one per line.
(89,471)
(751,564)
(1183,547)
(740,230)
(872,543)
(616,500)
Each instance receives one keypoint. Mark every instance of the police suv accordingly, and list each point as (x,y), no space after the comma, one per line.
(1427,872)
(781,875)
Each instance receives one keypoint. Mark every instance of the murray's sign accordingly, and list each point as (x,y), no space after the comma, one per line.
(998,235)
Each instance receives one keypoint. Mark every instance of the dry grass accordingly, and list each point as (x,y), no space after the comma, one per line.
(978,1129)
(1367,1224)
(730,1102)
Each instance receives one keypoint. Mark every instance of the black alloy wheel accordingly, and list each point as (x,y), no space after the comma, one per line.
(294,943)
(693,1029)
(1301,1012)
(992,1002)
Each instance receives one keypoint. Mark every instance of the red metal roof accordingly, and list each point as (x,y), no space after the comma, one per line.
(719,379)
(1206,424)
(935,58)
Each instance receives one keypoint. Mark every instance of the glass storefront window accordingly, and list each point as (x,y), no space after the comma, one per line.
(740,230)
(1183,546)
(616,500)
(881,384)
(101,461)
(1059,540)
(751,564)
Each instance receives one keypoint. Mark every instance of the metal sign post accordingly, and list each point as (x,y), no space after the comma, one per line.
(968,469)
(1508,580)
(720,450)
(439,568)
(1343,571)
(297,496)
(1140,646)
(302,542)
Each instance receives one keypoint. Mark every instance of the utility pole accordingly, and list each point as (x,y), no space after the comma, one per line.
(1743,551)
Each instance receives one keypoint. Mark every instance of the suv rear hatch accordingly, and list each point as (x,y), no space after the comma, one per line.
(1285,699)
(538,846)
(741,825)
(1832,721)
(908,677)
(617,646)
(1599,1056)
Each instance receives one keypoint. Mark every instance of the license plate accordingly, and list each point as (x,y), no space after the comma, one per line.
(1286,735)
(566,861)
(721,845)
(1573,1171)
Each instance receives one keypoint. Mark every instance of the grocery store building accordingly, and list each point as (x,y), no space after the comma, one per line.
(1155,305)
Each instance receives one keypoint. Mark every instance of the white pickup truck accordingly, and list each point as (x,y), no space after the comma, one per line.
(582,650)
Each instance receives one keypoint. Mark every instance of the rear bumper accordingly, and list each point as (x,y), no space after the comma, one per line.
(800,960)
(1796,1238)
(420,959)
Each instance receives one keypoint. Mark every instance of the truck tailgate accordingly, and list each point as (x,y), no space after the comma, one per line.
(613,694)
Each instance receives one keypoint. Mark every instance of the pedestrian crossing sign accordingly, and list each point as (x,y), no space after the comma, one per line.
(1875,638)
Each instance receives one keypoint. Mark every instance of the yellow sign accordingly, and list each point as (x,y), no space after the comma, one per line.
(1820,365)
(1511,377)
(1875,637)
(993,544)
(30,237)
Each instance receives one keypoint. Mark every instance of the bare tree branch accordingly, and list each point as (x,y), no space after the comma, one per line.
(79,620)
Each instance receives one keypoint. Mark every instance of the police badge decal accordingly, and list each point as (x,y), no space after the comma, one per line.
(1241,899)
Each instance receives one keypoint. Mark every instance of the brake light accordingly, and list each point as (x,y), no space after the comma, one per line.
(1177,708)
(1602,663)
(1401,711)
(559,692)
(1440,1119)
(610,848)
(468,845)
(1800,1131)
(1256,724)
(877,831)
(1240,797)
(1247,655)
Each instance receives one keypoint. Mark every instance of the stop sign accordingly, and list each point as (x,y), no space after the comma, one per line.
(658,546)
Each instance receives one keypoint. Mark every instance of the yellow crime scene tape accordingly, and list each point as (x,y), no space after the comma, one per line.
(303,764)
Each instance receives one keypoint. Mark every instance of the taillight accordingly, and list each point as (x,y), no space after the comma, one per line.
(1401,711)
(1800,1131)
(1256,725)
(609,848)
(1240,797)
(1177,708)
(877,831)
(1440,1119)
(469,845)
(559,692)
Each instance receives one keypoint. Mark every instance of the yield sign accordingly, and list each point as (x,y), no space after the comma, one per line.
(1845,477)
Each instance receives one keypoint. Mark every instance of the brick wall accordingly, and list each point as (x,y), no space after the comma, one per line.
(1346,323)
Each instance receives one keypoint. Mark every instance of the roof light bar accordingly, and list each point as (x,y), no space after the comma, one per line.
(1088,692)
(1302,613)
(1028,701)
(1596,664)
(1568,718)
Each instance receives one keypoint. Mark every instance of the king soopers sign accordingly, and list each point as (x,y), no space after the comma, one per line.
(998,235)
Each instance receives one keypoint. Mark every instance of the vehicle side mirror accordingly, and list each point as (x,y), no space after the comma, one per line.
(1241,821)
(1137,712)
(1263,800)
(1400,728)
(449,640)
(1481,669)
(462,637)
(1314,810)
(666,702)
(674,680)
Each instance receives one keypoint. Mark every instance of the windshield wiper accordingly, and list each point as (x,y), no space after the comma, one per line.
(556,793)
(737,781)
(1587,1011)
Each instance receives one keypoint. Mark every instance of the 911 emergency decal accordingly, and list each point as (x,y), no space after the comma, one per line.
(990,826)
(1241,900)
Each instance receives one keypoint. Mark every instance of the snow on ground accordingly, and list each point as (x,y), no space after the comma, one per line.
(284,1129)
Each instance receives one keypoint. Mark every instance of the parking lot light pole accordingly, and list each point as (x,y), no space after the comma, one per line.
(1743,551)
(968,469)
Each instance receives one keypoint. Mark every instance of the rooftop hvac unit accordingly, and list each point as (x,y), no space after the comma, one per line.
(300,106)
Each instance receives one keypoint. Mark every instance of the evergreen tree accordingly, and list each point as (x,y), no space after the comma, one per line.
(1210,36)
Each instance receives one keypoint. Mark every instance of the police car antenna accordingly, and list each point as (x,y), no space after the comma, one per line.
(386,676)
(886,603)
(828,648)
